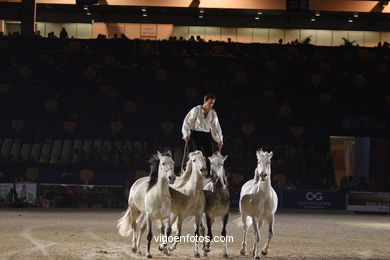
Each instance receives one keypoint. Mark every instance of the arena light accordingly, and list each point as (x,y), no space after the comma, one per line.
(143,9)
(144,14)
(356,15)
(350,20)
(313,19)
(201,11)
(318,13)
(201,16)
(259,13)
(257,18)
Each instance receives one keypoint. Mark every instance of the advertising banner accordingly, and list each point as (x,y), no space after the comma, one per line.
(313,199)
(369,201)
(24,191)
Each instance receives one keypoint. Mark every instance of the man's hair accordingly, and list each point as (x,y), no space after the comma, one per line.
(208,96)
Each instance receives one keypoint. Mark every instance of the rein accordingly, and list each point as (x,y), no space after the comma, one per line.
(185,154)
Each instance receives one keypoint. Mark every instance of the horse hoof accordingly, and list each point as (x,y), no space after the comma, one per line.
(160,247)
(242,251)
(197,255)
(134,250)
(172,248)
(225,256)
(207,249)
(257,257)
(165,250)
(148,256)
(204,253)
(263,252)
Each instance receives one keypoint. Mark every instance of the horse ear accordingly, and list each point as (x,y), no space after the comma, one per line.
(258,154)
(224,157)
(159,155)
(210,158)
(169,153)
(270,154)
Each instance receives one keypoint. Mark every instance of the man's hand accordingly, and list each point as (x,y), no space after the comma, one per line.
(186,138)
(220,144)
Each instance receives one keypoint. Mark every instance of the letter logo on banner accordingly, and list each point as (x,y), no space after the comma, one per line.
(314,196)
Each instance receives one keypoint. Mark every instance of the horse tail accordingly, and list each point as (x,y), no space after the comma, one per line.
(238,222)
(124,224)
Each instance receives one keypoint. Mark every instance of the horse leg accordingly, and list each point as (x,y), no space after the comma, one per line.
(178,232)
(162,230)
(209,223)
(198,219)
(254,240)
(256,230)
(149,236)
(270,234)
(260,224)
(202,233)
(134,218)
(168,230)
(244,233)
(140,233)
(162,227)
(223,234)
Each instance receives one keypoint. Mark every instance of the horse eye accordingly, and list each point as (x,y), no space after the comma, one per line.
(163,164)
(193,160)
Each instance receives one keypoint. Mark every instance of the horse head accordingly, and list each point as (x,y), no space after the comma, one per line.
(166,166)
(198,162)
(217,171)
(263,169)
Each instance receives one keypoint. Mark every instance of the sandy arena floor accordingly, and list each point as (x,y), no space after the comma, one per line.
(91,234)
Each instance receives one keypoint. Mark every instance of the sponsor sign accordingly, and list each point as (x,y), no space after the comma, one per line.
(313,200)
(24,191)
(148,30)
(369,201)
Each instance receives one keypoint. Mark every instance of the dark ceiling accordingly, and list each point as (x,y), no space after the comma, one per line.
(209,16)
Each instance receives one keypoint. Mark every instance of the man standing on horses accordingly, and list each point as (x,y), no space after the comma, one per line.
(201,126)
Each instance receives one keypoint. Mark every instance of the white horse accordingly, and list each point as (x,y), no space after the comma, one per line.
(217,198)
(259,201)
(149,200)
(187,196)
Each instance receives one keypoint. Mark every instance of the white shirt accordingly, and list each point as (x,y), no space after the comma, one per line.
(195,120)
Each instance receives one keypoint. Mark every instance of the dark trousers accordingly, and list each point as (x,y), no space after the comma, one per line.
(203,142)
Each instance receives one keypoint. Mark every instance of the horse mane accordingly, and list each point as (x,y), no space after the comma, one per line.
(256,177)
(222,179)
(153,174)
(185,176)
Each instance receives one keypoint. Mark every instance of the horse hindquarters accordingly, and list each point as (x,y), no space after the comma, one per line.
(127,225)
(124,224)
